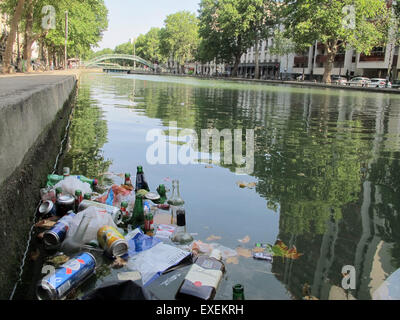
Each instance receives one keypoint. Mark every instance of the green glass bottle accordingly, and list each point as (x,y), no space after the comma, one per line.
(137,219)
(238,292)
(141,182)
(163,194)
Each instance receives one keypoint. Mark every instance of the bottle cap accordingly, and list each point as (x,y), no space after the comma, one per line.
(124,204)
(78,192)
(127,175)
(216,254)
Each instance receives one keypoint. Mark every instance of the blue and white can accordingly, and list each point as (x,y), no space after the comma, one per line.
(53,237)
(70,275)
(47,208)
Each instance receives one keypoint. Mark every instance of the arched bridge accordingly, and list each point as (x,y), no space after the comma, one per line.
(107,57)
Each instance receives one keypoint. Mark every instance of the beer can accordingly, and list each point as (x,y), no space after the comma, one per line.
(115,212)
(65,203)
(53,237)
(47,208)
(66,172)
(112,241)
(57,285)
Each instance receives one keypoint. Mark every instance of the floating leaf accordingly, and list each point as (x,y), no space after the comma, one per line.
(281,250)
(242,184)
(251,185)
(212,237)
(246,239)
(301,174)
(233,260)
(243,252)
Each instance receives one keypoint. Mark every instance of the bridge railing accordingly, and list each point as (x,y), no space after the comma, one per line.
(118,56)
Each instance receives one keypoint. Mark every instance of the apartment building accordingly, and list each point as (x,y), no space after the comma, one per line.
(311,63)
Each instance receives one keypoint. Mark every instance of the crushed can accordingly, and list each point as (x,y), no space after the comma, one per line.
(47,208)
(57,285)
(112,241)
(53,237)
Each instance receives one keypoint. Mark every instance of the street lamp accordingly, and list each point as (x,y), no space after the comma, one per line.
(134,53)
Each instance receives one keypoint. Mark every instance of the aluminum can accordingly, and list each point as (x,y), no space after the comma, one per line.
(53,237)
(70,275)
(115,212)
(65,203)
(112,241)
(47,208)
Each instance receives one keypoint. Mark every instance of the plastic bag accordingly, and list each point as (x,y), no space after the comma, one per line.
(70,184)
(154,261)
(84,227)
(117,194)
(139,242)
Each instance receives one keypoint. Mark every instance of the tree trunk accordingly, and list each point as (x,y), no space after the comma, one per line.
(331,49)
(256,56)
(11,38)
(28,36)
(236,65)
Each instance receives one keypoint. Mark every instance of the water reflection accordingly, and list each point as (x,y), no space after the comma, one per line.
(326,162)
(88,134)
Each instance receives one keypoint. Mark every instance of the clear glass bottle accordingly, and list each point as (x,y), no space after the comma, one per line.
(175,201)
(180,235)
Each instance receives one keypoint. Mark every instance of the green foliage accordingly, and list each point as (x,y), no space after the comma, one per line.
(87,20)
(179,37)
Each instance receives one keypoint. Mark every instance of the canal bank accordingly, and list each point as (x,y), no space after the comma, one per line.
(303,84)
(34,112)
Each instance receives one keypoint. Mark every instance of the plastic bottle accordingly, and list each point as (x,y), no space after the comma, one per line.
(203,278)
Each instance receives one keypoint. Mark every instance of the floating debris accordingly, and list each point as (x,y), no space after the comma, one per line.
(212,237)
(246,239)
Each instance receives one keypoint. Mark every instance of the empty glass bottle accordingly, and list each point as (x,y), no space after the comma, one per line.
(141,182)
(238,292)
(175,201)
(180,235)
(137,219)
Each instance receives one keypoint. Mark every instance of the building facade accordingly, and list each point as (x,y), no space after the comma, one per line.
(311,64)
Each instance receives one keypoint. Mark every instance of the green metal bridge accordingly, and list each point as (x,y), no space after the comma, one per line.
(100,62)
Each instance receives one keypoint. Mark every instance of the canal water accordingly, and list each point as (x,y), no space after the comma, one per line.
(326,174)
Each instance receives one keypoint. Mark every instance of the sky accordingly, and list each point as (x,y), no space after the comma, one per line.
(129,18)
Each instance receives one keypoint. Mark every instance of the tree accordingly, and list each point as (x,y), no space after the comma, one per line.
(179,38)
(263,24)
(11,37)
(148,46)
(359,24)
(228,28)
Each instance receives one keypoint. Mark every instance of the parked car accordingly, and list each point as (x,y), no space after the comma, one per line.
(396,84)
(379,83)
(358,81)
(338,80)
